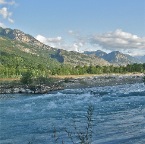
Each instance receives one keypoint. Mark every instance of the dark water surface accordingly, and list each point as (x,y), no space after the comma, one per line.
(118,117)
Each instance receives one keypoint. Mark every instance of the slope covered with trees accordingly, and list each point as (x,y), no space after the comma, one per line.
(20,52)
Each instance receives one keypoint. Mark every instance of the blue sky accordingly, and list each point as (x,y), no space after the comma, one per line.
(80,24)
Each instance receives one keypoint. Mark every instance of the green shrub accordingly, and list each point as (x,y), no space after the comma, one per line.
(45,80)
(27,78)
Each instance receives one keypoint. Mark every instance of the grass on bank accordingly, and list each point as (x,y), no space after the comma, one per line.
(28,78)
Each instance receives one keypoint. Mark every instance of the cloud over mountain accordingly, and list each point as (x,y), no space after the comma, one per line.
(47,40)
(58,42)
(2,25)
(111,41)
(119,40)
(54,42)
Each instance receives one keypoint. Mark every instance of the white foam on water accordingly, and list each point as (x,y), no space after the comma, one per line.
(52,105)
(117,116)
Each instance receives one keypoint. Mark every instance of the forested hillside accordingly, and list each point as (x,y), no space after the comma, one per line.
(20,52)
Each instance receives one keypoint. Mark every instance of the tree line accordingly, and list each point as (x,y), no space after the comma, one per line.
(13,66)
(17,69)
(80,70)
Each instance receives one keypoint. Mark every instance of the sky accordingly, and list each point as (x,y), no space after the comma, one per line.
(80,25)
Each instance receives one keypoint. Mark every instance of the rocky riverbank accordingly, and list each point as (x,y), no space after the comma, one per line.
(104,80)
(38,89)
(73,82)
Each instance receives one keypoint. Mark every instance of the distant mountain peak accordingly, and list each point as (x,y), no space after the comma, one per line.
(115,57)
(98,53)
(15,34)
(119,58)
(19,35)
(141,58)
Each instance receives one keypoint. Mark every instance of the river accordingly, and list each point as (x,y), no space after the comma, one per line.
(118,116)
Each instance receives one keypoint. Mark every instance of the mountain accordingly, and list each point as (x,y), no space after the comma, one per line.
(115,57)
(119,58)
(98,53)
(141,58)
(17,43)
(22,37)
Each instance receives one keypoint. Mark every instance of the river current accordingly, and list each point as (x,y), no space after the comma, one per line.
(118,116)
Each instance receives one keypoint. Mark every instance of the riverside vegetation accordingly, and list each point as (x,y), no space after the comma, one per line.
(30,84)
(25,58)
(35,79)
(22,54)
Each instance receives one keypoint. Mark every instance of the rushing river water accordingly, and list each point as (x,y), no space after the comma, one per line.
(118,116)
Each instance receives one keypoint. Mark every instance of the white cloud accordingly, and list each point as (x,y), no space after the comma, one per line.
(2,25)
(6,14)
(10,20)
(58,42)
(70,31)
(41,38)
(47,40)
(4,2)
(70,47)
(119,40)
(53,42)
(111,41)
(74,33)
(75,47)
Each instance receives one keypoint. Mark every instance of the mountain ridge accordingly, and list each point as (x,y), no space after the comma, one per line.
(141,58)
(28,44)
(115,57)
